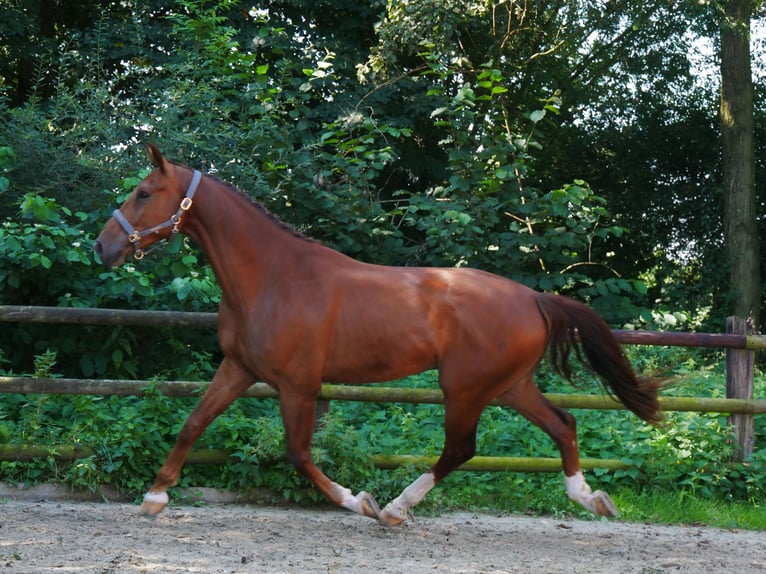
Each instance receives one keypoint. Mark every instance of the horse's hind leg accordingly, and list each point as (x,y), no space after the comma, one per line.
(561,426)
(461,419)
(298,410)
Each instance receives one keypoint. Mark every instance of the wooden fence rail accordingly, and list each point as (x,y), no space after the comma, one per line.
(216,457)
(366,393)
(111,387)
(126,317)
(129,317)
(742,406)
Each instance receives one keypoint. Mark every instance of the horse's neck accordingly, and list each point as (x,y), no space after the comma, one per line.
(237,237)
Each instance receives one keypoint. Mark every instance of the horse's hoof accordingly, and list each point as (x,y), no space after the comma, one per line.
(153,503)
(603,505)
(392,516)
(368,505)
(387,519)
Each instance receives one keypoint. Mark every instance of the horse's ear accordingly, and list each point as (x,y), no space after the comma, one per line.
(155,156)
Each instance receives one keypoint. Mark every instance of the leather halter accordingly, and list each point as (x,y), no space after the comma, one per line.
(175,220)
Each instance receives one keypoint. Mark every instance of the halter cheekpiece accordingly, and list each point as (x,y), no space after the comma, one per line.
(135,236)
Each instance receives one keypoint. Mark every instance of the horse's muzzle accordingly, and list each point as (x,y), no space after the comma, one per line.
(111,253)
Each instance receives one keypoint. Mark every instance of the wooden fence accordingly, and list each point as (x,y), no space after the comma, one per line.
(739,404)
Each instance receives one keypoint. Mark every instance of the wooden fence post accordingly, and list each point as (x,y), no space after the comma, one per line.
(739,384)
(322,408)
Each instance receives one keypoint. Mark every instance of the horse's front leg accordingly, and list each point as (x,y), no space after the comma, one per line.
(298,412)
(229,382)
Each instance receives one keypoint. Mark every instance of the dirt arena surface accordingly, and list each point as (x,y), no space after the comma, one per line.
(111,538)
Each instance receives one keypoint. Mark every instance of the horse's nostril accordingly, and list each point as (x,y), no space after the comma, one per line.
(98,247)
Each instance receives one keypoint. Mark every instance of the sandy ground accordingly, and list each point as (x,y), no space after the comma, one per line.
(105,538)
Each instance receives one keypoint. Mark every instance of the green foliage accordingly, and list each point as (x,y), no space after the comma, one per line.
(673,507)
(285,121)
(386,134)
(38,247)
(48,260)
(7,163)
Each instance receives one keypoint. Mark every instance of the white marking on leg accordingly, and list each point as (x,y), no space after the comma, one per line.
(395,511)
(153,503)
(577,489)
(597,502)
(347,498)
(156,497)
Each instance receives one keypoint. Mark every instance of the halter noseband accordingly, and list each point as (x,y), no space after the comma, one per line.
(135,236)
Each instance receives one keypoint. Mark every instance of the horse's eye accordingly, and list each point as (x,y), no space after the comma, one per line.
(143,194)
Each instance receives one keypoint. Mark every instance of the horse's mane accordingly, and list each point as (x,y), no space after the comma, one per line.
(256,204)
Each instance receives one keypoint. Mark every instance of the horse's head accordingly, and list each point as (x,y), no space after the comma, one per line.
(152,212)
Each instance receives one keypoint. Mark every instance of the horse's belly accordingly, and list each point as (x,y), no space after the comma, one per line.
(378,359)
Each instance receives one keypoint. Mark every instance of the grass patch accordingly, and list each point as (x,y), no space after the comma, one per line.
(681,507)
(544,495)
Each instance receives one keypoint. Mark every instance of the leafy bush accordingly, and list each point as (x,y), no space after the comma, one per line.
(268,115)
(48,260)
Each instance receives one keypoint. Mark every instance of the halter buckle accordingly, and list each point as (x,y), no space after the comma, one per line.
(186,203)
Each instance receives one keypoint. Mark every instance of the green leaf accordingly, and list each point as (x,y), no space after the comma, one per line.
(537,115)
(117,357)
(504,173)
(545,283)
(86,366)
(7,158)
(184,290)
(11,245)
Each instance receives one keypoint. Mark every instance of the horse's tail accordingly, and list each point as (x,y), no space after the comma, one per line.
(572,325)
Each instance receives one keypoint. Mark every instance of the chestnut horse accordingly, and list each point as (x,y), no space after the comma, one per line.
(295,313)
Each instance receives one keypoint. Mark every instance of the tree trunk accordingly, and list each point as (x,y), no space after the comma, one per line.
(736,115)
